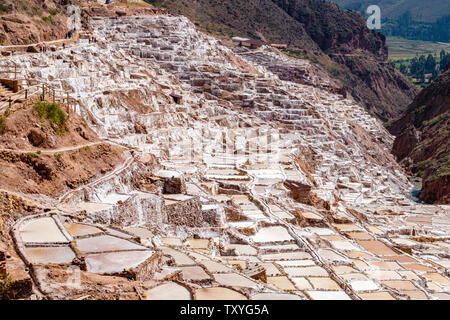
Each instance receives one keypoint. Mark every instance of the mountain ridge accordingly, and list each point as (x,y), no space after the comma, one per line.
(423,139)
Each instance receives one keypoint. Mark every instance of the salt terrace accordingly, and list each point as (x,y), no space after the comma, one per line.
(226,132)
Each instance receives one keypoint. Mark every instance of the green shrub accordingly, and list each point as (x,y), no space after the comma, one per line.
(5,9)
(53,113)
(58,156)
(5,285)
(53,12)
(48,19)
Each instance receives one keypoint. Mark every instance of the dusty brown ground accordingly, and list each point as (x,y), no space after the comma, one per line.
(36,158)
(53,278)
(27,131)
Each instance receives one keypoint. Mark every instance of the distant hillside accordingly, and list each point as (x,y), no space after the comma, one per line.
(423,139)
(420,10)
(412,19)
(317,30)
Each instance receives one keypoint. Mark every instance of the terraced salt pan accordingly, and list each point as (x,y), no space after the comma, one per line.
(301,283)
(199,243)
(293,255)
(281,214)
(106,243)
(180,257)
(279,247)
(168,291)
(47,255)
(323,283)
(177,197)
(343,269)
(234,280)
(275,296)
(215,267)
(91,207)
(354,276)
(140,232)
(254,214)
(296,263)
(328,295)
(281,282)
(363,285)
(348,227)
(320,231)
(306,271)
(382,295)
(376,247)
(218,293)
(176,242)
(345,245)
(118,233)
(113,262)
(194,273)
(384,275)
(271,269)
(331,255)
(79,230)
(272,234)
(41,230)
(114,198)
(242,249)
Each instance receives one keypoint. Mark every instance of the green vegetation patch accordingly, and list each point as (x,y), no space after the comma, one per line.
(433,121)
(49,20)
(5,285)
(53,113)
(4,8)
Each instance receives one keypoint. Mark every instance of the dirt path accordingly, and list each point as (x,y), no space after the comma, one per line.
(52,151)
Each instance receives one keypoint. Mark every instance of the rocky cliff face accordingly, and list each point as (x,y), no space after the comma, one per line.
(32,21)
(423,136)
(361,53)
(333,28)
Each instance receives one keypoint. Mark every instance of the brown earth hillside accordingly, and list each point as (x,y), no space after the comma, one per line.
(38,155)
(423,139)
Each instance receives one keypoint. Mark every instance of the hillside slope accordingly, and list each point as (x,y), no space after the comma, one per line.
(31,21)
(347,50)
(429,10)
(423,139)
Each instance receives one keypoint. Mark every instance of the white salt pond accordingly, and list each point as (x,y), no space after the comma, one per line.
(275,296)
(106,243)
(140,232)
(194,273)
(79,230)
(41,230)
(363,285)
(47,255)
(328,295)
(218,293)
(113,262)
(168,291)
(272,234)
(180,258)
(234,280)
